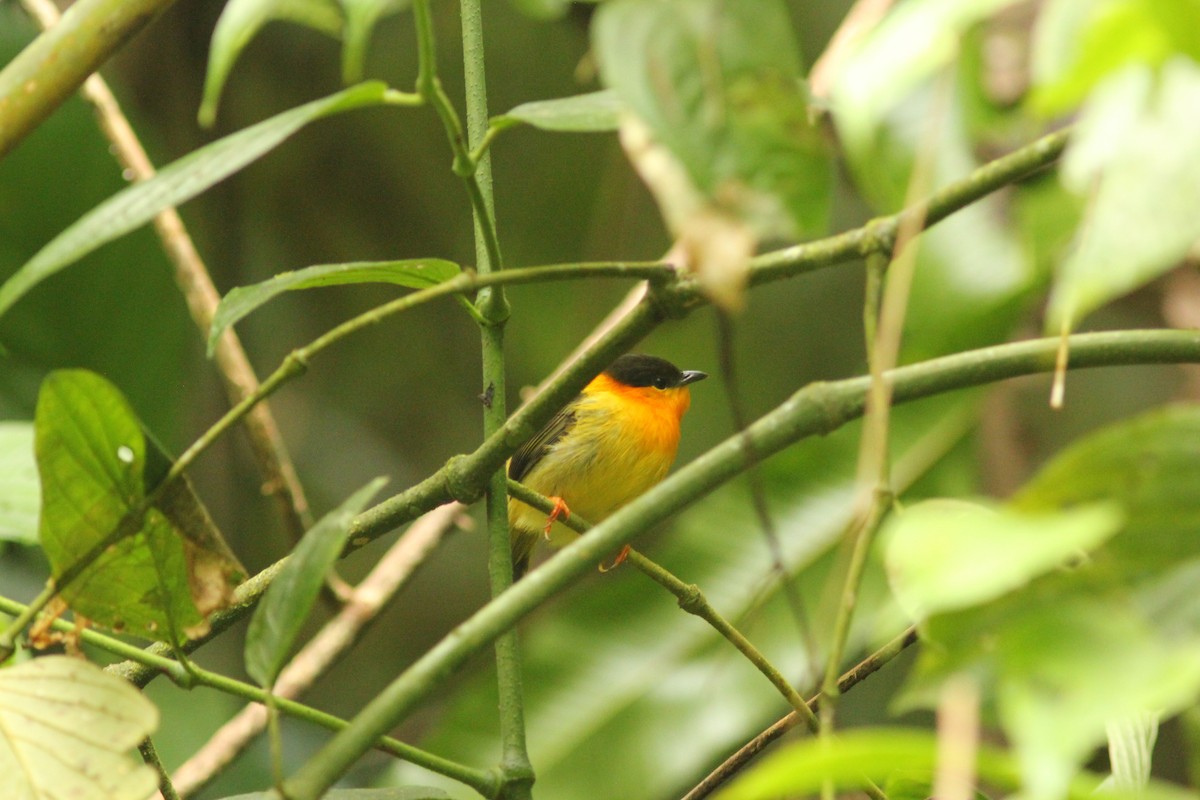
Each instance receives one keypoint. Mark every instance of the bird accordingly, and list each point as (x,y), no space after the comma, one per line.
(614,441)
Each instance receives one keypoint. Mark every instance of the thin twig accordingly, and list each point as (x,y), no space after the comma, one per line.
(690,598)
(363,605)
(747,752)
(150,755)
(874,468)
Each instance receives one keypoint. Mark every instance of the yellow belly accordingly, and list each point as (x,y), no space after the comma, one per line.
(613,453)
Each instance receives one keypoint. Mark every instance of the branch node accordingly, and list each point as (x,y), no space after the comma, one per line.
(459,484)
(879,237)
(691,599)
(296,362)
(671,297)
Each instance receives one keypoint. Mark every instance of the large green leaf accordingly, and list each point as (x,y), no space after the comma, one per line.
(416,273)
(174,184)
(800,769)
(1143,182)
(914,42)
(1110,638)
(19,492)
(721,130)
(285,606)
(1146,465)
(66,729)
(240,22)
(1059,662)
(973,274)
(1081,42)
(947,554)
(172,569)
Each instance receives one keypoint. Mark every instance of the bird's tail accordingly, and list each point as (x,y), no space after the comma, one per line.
(522,548)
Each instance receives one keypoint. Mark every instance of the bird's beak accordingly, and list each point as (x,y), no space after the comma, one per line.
(691,376)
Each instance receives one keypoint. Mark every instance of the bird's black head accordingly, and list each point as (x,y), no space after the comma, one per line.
(635,369)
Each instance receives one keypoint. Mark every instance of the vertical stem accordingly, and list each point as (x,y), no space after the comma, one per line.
(150,756)
(493,307)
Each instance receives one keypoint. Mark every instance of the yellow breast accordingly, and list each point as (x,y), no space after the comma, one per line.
(623,441)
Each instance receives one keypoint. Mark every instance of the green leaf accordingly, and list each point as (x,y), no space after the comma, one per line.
(361,18)
(281,613)
(1143,181)
(171,569)
(594,112)
(891,87)
(1059,661)
(1079,43)
(20,495)
(182,180)
(417,273)
(848,762)
(240,22)
(724,115)
(943,555)
(801,768)
(1146,465)
(913,43)
(66,729)
(1116,635)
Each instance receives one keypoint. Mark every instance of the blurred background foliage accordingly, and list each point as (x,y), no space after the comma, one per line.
(403,396)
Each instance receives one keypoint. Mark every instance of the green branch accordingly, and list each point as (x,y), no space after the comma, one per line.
(817,409)
(691,599)
(747,752)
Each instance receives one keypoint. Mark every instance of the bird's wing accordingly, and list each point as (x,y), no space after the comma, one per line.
(532,451)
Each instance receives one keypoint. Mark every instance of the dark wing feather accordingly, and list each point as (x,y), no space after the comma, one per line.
(526,458)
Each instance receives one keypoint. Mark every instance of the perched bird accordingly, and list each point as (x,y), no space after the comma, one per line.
(608,445)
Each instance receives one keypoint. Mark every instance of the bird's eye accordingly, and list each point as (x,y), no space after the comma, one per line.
(660,383)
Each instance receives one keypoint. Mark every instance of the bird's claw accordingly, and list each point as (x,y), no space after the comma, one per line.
(560,511)
(620,559)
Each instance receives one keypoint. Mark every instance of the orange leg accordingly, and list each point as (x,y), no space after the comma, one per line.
(621,556)
(560,510)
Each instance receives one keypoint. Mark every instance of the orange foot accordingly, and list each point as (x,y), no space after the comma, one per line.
(560,510)
(621,556)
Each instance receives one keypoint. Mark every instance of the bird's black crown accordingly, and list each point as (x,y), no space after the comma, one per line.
(636,369)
